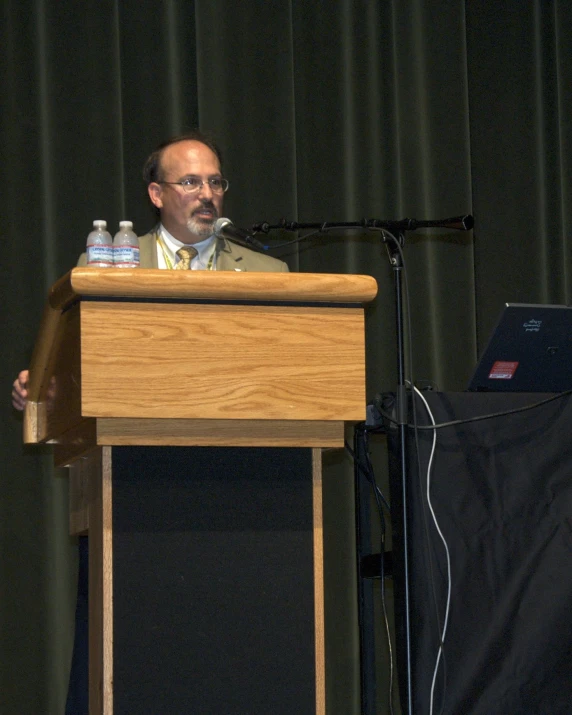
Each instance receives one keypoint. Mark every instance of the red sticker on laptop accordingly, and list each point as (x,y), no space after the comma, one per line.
(502,370)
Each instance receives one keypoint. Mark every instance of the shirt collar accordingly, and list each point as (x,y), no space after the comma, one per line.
(205,250)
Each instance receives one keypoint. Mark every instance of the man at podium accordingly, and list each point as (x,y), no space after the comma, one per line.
(186,186)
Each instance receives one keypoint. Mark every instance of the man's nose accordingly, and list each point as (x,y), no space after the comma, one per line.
(206,190)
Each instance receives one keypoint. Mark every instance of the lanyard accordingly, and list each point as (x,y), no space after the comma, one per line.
(169,262)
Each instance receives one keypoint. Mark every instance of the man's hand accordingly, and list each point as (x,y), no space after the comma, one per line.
(20,390)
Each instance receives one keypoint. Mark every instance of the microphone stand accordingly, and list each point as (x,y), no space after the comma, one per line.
(460,223)
(396,262)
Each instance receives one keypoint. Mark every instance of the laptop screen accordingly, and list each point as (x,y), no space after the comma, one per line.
(530,350)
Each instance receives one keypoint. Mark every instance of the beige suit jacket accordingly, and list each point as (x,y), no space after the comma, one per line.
(231,257)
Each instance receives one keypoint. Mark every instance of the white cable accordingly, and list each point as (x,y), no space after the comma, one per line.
(442,638)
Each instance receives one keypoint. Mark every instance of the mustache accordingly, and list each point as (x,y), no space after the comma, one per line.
(205,204)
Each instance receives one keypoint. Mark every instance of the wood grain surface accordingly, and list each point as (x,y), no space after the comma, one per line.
(213,285)
(222,362)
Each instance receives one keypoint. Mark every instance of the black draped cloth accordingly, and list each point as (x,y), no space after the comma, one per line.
(501,490)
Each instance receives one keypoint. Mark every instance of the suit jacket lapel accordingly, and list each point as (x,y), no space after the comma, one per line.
(229,258)
(148,251)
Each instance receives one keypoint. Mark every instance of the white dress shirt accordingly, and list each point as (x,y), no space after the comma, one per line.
(168,245)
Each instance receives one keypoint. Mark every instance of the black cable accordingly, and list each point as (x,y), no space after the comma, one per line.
(478,418)
(381,501)
(369,476)
(298,239)
(382,571)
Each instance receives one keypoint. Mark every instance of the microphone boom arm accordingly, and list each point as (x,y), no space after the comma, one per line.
(458,223)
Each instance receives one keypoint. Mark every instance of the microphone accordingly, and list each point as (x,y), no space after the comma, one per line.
(224,228)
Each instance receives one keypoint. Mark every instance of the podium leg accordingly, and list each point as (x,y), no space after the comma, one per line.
(100,584)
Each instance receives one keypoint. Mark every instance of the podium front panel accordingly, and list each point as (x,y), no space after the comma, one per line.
(213,583)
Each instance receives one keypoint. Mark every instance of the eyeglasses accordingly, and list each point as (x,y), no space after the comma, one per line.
(193,184)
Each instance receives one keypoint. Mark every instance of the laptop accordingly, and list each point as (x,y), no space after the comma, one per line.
(530,350)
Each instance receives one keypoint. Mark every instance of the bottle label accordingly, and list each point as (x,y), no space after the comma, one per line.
(126,257)
(100,256)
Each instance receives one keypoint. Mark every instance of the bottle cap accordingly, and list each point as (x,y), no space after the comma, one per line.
(99,223)
(126,224)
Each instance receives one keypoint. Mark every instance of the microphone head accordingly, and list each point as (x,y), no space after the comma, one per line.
(220,223)
(468,222)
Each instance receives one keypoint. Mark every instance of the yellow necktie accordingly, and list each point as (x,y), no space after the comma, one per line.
(186,255)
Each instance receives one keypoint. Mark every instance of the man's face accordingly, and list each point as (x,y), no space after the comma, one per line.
(188,217)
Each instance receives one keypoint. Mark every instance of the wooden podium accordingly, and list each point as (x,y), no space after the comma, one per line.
(191,408)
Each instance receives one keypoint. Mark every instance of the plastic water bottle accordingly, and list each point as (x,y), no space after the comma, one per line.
(126,247)
(99,247)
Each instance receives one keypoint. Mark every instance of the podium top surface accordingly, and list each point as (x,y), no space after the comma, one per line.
(153,283)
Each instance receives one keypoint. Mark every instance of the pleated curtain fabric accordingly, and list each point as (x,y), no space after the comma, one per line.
(325,112)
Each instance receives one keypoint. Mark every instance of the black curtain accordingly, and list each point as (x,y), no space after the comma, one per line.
(326,111)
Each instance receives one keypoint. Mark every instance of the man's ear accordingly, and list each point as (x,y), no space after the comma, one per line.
(155,194)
